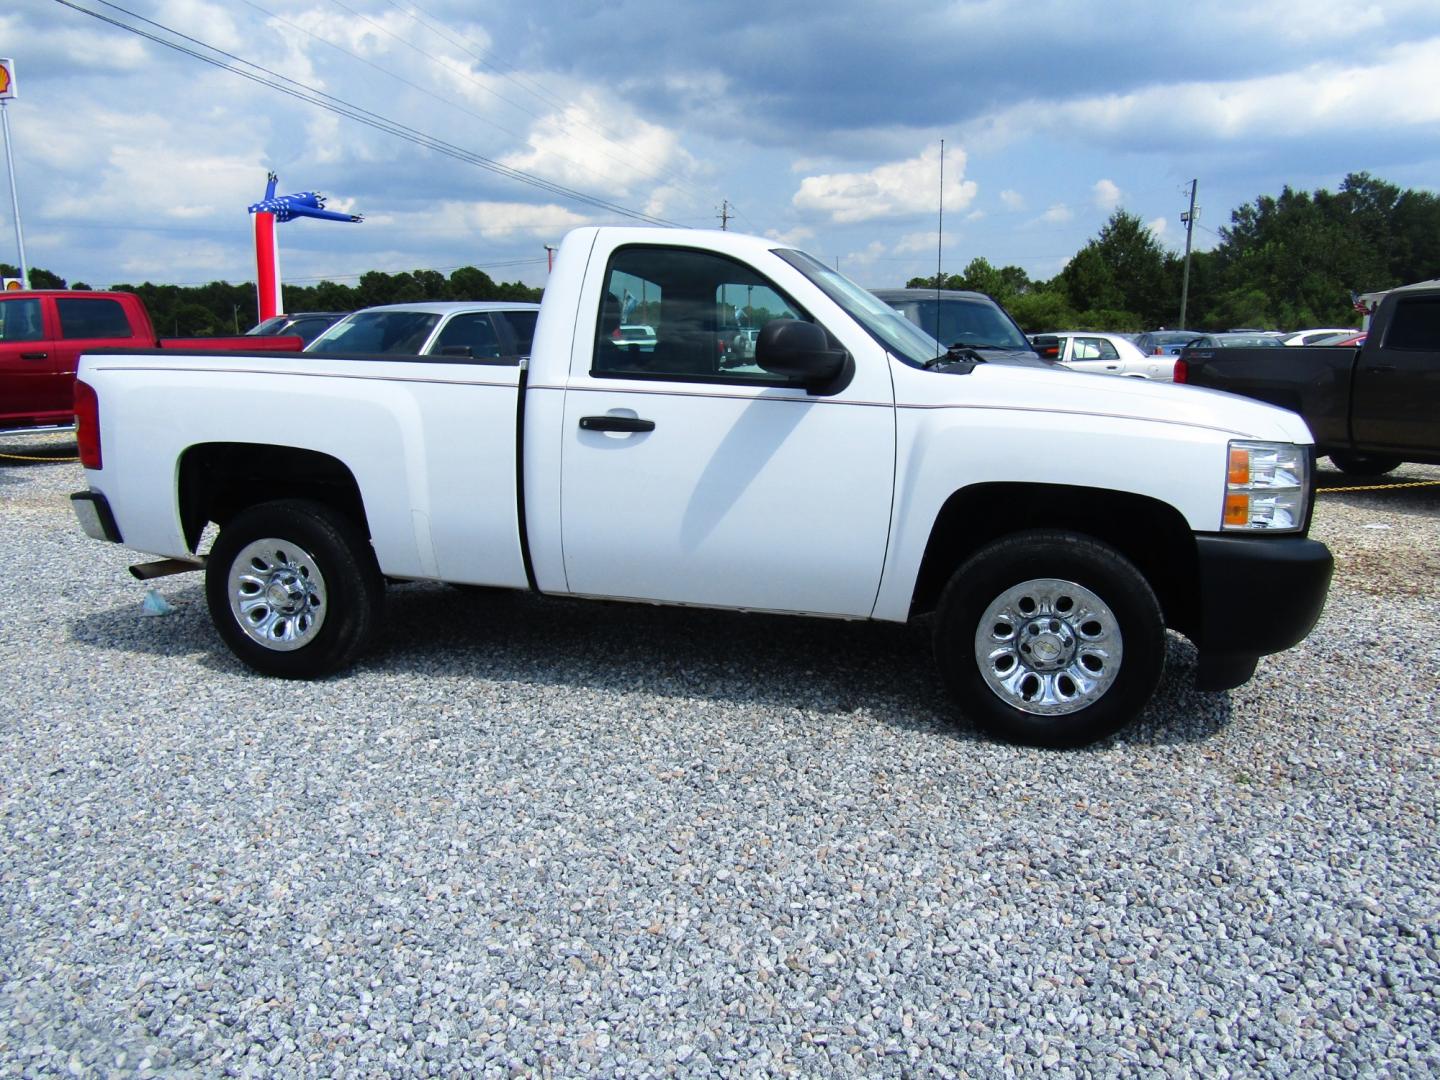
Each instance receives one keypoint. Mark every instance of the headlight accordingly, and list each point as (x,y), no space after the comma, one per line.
(1267,486)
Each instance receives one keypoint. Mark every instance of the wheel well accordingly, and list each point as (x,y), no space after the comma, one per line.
(1151,534)
(218,480)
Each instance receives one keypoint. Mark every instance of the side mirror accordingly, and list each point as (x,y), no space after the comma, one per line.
(798,350)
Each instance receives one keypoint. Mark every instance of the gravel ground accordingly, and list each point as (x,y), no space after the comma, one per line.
(536,837)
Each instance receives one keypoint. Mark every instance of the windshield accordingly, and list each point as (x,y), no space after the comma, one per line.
(377,332)
(886,325)
(272,325)
(961,321)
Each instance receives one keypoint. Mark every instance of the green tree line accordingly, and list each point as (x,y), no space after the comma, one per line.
(1283,262)
(223,308)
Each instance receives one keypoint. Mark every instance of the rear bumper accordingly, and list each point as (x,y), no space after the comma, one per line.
(93,512)
(1258,595)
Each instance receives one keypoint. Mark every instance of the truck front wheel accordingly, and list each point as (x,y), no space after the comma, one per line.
(1050,638)
(293,588)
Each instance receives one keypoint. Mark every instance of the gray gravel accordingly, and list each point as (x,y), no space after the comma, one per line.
(536,837)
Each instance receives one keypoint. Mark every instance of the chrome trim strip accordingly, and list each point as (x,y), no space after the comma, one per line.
(315,375)
(1053,411)
(807,400)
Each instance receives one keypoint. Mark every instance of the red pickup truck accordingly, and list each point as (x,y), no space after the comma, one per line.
(43,333)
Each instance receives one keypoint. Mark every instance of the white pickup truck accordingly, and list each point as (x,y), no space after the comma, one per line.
(1052,525)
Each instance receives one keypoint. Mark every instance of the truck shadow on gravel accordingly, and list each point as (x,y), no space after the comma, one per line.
(812,665)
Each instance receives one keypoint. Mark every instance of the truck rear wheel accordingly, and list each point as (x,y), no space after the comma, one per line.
(1364,464)
(293,588)
(1050,638)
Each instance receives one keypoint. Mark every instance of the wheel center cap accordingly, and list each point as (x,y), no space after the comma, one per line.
(1046,649)
(283,596)
(1047,644)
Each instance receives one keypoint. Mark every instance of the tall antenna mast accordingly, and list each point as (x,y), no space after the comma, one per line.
(940,241)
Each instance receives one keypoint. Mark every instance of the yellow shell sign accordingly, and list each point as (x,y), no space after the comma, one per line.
(7,78)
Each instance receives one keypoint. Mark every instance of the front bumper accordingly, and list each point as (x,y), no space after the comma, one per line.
(93,512)
(1258,595)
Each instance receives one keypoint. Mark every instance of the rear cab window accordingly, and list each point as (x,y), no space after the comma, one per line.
(92,317)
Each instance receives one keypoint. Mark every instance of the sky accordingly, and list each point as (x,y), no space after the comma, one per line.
(818,124)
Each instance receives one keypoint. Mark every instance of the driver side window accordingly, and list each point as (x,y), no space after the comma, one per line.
(678,313)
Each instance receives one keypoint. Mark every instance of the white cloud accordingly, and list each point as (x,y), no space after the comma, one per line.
(865,257)
(1013,200)
(503,220)
(912,243)
(791,237)
(1057,214)
(572,147)
(1395,91)
(1158,227)
(211,23)
(975,215)
(1107,195)
(892,190)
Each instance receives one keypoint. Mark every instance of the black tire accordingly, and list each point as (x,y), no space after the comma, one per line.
(1089,667)
(1364,464)
(326,585)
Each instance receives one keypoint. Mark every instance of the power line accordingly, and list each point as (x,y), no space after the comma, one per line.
(339,106)
(530,87)
(628,160)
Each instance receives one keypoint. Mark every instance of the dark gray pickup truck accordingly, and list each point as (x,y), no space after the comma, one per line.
(1370,408)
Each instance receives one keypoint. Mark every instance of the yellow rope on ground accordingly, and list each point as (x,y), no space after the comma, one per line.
(1381,487)
(28,457)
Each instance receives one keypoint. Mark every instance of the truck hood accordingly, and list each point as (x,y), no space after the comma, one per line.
(1047,390)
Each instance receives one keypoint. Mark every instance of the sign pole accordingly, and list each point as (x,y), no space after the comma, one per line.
(7,91)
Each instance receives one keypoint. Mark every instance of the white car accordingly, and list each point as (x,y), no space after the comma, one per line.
(479,330)
(1104,354)
(637,335)
(1311,337)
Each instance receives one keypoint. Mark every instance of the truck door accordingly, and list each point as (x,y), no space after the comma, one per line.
(1396,398)
(690,475)
(31,386)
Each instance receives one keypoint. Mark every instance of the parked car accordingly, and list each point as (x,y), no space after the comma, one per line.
(306,325)
(1369,407)
(1317,337)
(43,332)
(1344,340)
(1053,525)
(481,330)
(958,318)
(1236,339)
(1165,342)
(1102,354)
(635,335)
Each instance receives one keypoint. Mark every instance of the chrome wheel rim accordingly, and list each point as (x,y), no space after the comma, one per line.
(277,594)
(1048,647)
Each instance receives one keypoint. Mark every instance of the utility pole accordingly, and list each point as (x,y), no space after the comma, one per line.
(724,215)
(8,93)
(1189,219)
(549,257)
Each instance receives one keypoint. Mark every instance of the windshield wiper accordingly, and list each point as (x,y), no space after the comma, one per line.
(958,353)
